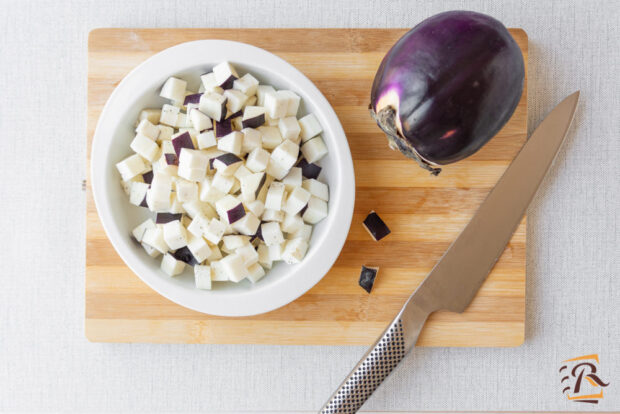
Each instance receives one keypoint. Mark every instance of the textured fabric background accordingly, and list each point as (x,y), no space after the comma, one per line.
(573,258)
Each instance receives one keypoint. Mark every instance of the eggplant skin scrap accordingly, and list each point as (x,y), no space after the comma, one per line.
(375,226)
(367,277)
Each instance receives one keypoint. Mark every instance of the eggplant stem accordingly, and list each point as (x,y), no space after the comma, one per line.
(386,121)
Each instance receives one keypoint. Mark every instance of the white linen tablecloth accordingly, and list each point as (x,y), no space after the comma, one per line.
(573,256)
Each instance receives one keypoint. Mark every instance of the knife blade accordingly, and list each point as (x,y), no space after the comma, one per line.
(454,281)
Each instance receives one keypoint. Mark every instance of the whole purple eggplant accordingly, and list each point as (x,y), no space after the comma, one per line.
(447,87)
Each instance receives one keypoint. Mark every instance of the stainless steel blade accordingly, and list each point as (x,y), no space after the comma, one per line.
(456,278)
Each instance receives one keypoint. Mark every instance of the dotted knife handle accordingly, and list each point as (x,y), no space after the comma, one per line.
(369,373)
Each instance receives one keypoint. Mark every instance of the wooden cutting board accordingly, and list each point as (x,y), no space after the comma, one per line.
(424,213)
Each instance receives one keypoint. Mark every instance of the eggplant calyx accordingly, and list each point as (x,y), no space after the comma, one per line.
(386,121)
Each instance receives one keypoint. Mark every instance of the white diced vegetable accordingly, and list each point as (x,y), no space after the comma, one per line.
(255,272)
(246,84)
(175,235)
(273,215)
(271,136)
(314,149)
(248,224)
(241,172)
(303,233)
(275,196)
(200,121)
(251,185)
(263,256)
(257,160)
(172,266)
(225,74)
(297,199)
(209,83)
(154,237)
(294,251)
(248,254)
(271,233)
(261,91)
(206,139)
(146,128)
(165,133)
(138,232)
(137,192)
(169,115)
(276,104)
(175,206)
(235,100)
(208,192)
(158,196)
(293,102)
(202,277)
(199,248)
(131,166)
(276,170)
(231,143)
(285,154)
(198,226)
(252,139)
(275,251)
(292,179)
(186,190)
(234,241)
(214,231)
(317,188)
(218,274)
(292,223)
(174,89)
(194,208)
(253,116)
(223,182)
(193,159)
(151,251)
(289,128)
(145,147)
(229,208)
(257,207)
(234,268)
(310,127)
(213,105)
(316,211)
(152,115)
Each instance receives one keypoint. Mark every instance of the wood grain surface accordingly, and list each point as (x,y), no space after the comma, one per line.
(424,213)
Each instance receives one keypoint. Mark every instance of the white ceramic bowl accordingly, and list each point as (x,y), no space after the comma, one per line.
(115,129)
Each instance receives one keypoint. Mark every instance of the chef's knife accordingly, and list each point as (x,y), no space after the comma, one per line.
(456,278)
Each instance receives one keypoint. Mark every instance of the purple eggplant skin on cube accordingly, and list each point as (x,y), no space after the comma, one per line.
(222,128)
(308,170)
(259,233)
(235,213)
(375,226)
(148,176)
(235,115)
(367,277)
(185,255)
(253,122)
(227,159)
(192,99)
(143,203)
(182,141)
(171,159)
(447,87)
(163,218)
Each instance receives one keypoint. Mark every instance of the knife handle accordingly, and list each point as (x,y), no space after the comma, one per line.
(391,347)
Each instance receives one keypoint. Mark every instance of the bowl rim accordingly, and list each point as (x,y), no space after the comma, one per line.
(317,262)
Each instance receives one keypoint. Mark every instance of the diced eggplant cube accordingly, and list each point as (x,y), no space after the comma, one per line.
(375,226)
(163,218)
(276,104)
(294,251)
(175,206)
(202,277)
(193,98)
(209,83)
(242,171)
(367,277)
(185,255)
(253,116)
(271,136)
(314,149)
(231,143)
(261,92)
(151,251)
(247,225)
(213,105)
(275,170)
(199,248)
(192,160)
(208,192)
(131,166)
(251,185)
(230,209)
(227,163)
(263,256)
(237,123)
(285,154)
(138,232)
(251,101)
(234,268)
(316,210)
(171,159)
(289,128)
(146,128)
(257,207)
(271,233)
(137,192)
(293,102)
(165,133)
(186,190)
(248,254)
(247,84)
(171,266)
(222,128)
(182,140)
(194,208)
(158,195)
(198,225)
(275,196)
(206,139)
(225,75)
(303,233)
(145,147)
(217,272)
(175,234)
(215,231)
(297,199)
(257,160)
(252,139)
(273,215)
(222,182)
(174,89)
(255,272)
(292,223)
(169,115)
(276,250)
(308,170)
(148,177)
(154,237)
(235,101)
(292,179)
(192,174)
(317,188)
(310,127)
(233,242)
(200,121)
(152,115)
